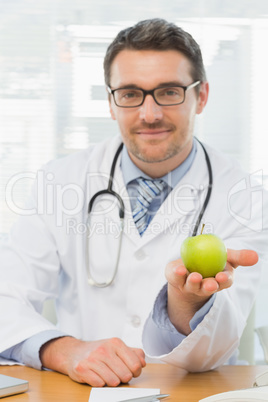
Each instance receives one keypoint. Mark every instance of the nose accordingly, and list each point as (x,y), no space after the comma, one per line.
(150,111)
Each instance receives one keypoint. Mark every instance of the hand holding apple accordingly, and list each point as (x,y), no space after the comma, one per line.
(205,253)
(188,292)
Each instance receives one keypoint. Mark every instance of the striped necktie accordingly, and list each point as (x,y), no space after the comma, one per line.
(147,191)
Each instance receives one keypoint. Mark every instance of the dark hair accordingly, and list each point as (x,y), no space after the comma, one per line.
(156,34)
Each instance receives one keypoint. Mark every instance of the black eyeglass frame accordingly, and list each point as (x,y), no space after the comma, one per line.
(151,92)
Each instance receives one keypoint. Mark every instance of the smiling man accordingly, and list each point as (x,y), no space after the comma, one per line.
(152,307)
(159,131)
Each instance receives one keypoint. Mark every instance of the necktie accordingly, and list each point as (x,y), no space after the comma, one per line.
(147,191)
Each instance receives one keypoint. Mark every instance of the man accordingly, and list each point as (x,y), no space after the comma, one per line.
(157,84)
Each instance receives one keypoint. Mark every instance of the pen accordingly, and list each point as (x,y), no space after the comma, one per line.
(150,398)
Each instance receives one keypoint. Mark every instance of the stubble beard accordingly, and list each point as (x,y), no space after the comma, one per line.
(173,149)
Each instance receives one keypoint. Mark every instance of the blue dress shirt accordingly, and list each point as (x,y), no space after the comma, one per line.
(131,173)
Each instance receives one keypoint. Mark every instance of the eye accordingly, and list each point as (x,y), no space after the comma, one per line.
(129,94)
(169,92)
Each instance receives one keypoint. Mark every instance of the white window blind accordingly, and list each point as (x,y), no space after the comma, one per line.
(52,95)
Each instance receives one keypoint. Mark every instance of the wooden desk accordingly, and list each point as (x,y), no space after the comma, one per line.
(46,386)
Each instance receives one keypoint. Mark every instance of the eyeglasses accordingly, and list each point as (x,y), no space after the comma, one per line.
(163,96)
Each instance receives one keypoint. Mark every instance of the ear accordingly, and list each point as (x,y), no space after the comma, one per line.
(111,110)
(111,105)
(202,97)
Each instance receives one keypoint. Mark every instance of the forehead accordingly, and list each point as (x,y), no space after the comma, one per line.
(149,68)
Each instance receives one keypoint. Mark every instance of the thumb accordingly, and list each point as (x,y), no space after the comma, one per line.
(242,257)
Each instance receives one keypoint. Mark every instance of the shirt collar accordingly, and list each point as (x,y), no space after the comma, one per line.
(132,172)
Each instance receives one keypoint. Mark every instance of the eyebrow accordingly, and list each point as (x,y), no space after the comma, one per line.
(162,84)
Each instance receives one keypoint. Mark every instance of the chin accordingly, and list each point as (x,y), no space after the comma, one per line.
(152,158)
(159,153)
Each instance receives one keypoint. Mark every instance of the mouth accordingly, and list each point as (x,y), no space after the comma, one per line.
(154,133)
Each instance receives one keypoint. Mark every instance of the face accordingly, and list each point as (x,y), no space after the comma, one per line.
(153,134)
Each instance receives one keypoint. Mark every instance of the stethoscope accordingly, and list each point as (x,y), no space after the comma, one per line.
(109,191)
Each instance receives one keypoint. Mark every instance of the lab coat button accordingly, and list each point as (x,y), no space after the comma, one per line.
(140,255)
(135,321)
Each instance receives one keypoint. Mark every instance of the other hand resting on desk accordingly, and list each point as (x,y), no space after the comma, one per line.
(97,363)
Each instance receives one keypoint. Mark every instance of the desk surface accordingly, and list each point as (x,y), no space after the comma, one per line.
(46,386)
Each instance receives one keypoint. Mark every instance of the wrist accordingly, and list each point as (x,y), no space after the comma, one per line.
(182,307)
(54,353)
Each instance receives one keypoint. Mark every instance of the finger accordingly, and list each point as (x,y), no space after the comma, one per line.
(133,358)
(125,362)
(94,373)
(209,286)
(98,373)
(141,355)
(176,273)
(242,257)
(223,277)
(92,379)
(193,283)
(121,370)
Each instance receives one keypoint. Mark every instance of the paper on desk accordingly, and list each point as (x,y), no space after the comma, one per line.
(5,362)
(119,394)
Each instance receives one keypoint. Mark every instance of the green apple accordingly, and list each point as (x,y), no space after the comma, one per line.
(205,253)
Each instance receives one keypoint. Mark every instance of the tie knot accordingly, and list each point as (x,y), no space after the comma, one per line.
(150,188)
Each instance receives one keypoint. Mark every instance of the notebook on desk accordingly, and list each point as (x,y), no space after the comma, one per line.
(12,385)
(242,395)
(258,393)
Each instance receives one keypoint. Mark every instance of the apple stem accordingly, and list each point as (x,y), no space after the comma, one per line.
(202,228)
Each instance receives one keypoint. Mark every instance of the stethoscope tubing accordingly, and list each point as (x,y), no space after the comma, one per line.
(208,196)
(109,189)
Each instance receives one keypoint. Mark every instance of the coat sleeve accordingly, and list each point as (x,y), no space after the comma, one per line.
(216,338)
(241,221)
(29,268)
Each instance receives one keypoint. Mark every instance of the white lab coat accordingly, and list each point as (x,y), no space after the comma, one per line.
(46,257)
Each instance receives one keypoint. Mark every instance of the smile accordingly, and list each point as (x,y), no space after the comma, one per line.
(158,132)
